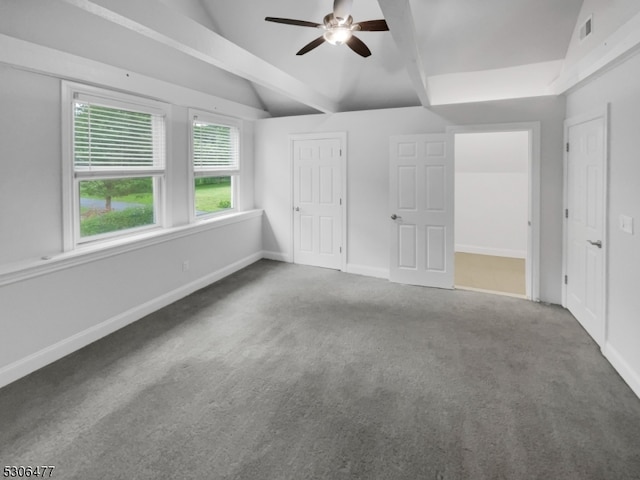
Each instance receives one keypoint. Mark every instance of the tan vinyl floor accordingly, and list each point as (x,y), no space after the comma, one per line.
(487,272)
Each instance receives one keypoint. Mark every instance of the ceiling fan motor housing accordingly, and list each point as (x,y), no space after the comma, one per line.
(337,31)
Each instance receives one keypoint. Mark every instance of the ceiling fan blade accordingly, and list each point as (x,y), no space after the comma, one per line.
(311,45)
(342,9)
(358,46)
(290,21)
(373,26)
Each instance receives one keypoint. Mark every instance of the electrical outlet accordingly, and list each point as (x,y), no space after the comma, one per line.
(185,265)
(626,224)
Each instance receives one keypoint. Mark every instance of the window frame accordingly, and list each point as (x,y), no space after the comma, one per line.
(195,172)
(72,176)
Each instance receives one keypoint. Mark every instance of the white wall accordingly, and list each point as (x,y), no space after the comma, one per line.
(491,193)
(48,308)
(368,171)
(620,89)
(30,175)
(614,37)
(607,17)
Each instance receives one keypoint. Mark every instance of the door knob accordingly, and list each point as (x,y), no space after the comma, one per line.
(297,209)
(395,217)
(597,243)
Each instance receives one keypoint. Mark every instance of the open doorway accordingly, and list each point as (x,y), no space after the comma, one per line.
(493,211)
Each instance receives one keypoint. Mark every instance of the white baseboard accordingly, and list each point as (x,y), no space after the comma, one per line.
(37,360)
(368,271)
(623,368)
(277,256)
(351,268)
(496,252)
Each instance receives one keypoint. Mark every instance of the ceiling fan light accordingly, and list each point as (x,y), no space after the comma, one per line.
(337,35)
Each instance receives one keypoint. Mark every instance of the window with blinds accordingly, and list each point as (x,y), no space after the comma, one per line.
(106,137)
(215,146)
(116,164)
(215,156)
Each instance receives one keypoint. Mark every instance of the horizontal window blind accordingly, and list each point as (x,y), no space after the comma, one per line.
(215,147)
(108,138)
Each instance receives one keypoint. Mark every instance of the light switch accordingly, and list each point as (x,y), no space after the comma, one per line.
(626,224)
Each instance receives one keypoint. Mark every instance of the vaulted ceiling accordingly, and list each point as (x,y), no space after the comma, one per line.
(430,37)
(436,52)
(427,38)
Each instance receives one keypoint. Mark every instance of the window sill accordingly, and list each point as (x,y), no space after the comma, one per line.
(91,252)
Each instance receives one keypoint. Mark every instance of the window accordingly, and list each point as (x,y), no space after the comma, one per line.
(215,154)
(116,167)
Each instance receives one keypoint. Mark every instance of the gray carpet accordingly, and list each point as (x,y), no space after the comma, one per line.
(288,372)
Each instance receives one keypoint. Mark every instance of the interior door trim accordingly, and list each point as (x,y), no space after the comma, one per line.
(533,240)
(342,136)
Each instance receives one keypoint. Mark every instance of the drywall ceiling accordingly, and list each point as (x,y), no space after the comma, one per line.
(62,26)
(451,37)
(357,83)
(467,35)
(436,52)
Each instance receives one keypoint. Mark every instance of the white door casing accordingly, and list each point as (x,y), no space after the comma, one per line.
(318,200)
(532,264)
(421,210)
(585,213)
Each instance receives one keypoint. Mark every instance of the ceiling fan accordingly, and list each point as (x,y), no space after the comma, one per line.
(338,28)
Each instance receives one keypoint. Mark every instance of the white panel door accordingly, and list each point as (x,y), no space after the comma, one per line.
(585,226)
(421,207)
(317,202)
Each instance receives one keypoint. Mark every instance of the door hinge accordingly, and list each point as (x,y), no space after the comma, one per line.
(340,201)
(340,249)
(567,147)
(340,152)
(566,279)
(566,213)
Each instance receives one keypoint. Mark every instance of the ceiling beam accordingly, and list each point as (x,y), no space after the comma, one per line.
(398,15)
(158,22)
